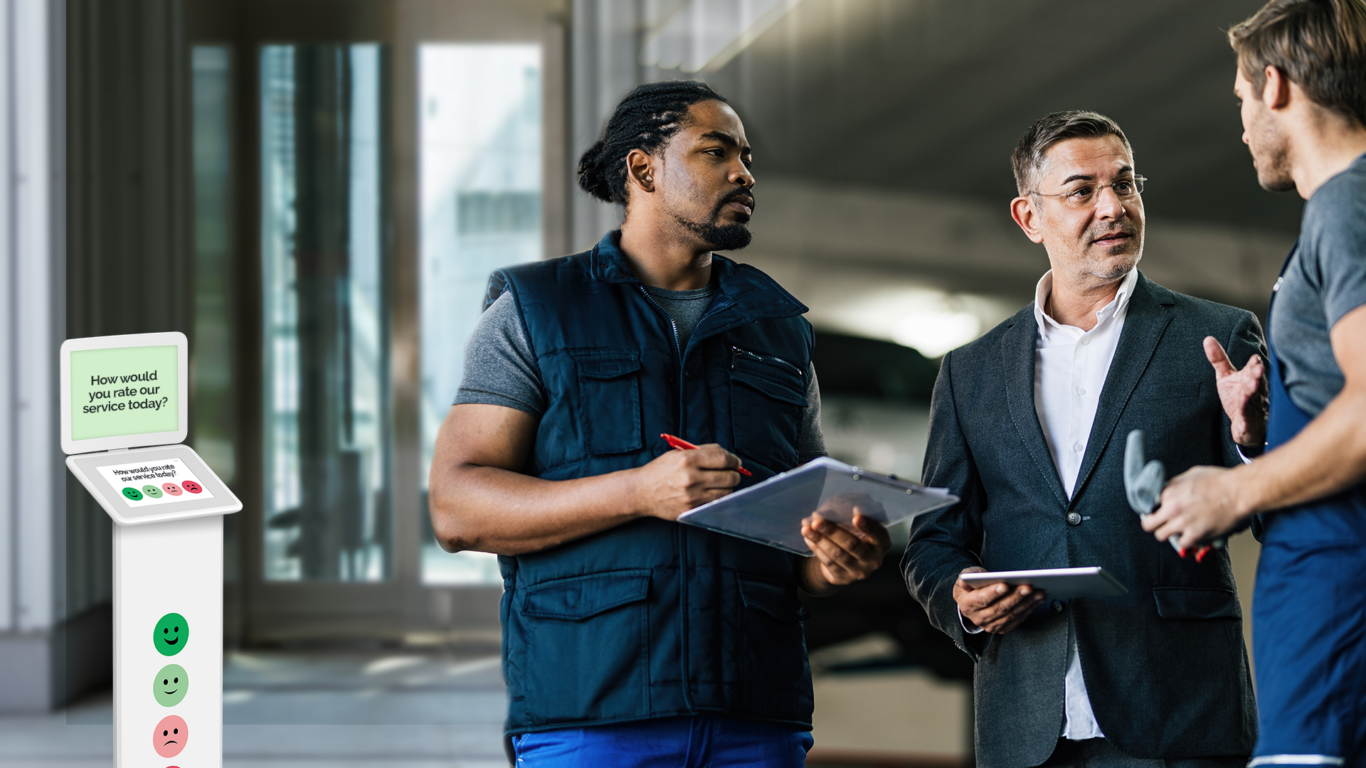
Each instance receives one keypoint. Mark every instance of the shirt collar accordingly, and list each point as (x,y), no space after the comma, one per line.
(1115,307)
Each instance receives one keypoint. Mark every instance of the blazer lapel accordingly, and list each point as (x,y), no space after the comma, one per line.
(1146,320)
(1017,352)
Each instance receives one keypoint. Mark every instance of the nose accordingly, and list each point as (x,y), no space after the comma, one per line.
(741,175)
(1108,204)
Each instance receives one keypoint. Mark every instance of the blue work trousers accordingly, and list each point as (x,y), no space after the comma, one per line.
(708,741)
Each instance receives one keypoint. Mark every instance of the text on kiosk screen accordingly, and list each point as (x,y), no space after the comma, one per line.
(124,391)
(159,481)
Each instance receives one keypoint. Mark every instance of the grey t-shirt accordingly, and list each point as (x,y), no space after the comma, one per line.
(500,367)
(1325,279)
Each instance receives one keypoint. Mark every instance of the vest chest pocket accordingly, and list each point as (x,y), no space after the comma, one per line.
(768,398)
(609,400)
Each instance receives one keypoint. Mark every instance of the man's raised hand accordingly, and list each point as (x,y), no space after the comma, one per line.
(1242,393)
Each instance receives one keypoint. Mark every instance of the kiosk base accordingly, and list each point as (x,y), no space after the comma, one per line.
(168,643)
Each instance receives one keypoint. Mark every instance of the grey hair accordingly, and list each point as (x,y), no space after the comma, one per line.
(1029,159)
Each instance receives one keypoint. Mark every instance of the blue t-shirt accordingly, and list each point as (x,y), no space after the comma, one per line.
(1325,279)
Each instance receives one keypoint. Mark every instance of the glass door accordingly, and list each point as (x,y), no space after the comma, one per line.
(480,202)
(384,160)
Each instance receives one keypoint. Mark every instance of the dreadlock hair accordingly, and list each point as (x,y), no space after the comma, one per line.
(645,119)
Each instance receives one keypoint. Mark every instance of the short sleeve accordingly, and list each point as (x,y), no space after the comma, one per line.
(1335,220)
(500,365)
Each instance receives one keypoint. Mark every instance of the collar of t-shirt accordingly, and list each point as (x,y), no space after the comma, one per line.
(685,307)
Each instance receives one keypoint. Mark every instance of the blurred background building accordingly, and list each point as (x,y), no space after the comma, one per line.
(315,192)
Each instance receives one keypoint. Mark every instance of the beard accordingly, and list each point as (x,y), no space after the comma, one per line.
(720,237)
(1270,156)
(1118,260)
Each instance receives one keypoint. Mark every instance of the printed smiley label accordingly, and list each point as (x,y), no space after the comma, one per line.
(170,736)
(170,685)
(132,494)
(171,634)
(152,491)
(171,489)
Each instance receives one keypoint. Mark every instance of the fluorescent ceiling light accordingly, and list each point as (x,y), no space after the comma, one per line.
(706,34)
(928,320)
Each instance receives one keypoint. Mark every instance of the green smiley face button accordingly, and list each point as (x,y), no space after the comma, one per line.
(170,686)
(171,634)
(132,494)
(152,491)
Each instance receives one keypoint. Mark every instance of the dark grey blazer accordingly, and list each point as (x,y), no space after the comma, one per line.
(1165,666)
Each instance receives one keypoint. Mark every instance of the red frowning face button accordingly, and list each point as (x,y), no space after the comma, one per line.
(192,486)
(170,736)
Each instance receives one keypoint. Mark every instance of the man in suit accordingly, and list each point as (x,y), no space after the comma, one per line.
(1028,427)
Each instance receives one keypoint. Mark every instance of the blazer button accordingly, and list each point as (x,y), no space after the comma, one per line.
(1057,606)
(1074,518)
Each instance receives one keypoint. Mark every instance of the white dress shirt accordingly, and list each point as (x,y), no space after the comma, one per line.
(1070,366)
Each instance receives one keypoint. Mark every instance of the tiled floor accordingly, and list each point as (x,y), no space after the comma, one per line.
(292,710)
(410,710)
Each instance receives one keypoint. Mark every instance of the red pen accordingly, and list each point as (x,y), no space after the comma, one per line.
(678,444)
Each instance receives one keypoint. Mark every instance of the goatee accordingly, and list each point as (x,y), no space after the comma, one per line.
(719,237)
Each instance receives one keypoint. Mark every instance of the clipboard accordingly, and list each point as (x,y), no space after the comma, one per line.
(771,512)
(1057,583)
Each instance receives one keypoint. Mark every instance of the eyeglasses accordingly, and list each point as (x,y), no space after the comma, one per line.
(1085,193)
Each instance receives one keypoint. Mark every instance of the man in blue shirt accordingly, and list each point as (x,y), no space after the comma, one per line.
(629,639)
(1302,83)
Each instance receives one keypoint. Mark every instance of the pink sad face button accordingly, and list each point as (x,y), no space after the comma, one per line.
(170,736)
(171,489)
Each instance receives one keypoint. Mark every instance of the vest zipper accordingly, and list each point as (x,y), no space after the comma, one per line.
(737,353)
(682,537)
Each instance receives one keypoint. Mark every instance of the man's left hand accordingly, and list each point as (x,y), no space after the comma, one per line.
(844,553)
(1198,505)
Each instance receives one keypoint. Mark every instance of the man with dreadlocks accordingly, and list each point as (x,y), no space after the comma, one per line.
(628,638)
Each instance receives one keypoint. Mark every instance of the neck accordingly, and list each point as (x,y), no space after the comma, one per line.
(1076,303)
(1330,147)
(660,257)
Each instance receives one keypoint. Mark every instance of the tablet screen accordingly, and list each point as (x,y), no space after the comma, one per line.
(124,391)
(150,483)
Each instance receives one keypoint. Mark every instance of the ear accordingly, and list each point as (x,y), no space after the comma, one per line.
(1023,212)
(1276,91)
(640,171)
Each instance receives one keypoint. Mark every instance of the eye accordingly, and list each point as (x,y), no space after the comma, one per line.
(1080,193)
(1124,187)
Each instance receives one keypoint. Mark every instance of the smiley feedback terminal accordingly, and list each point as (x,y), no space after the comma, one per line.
(124,416)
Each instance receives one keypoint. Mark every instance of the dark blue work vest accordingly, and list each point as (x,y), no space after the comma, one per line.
(655,619)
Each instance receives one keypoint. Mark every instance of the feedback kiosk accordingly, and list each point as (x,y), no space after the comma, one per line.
(123,416)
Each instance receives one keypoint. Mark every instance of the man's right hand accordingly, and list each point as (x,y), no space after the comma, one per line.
(1243,393)
(995,608)
(678,481)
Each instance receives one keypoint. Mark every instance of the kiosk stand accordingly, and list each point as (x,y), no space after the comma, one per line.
(120,395)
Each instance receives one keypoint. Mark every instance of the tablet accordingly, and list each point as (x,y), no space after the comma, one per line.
(151,485)
(1058,583)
